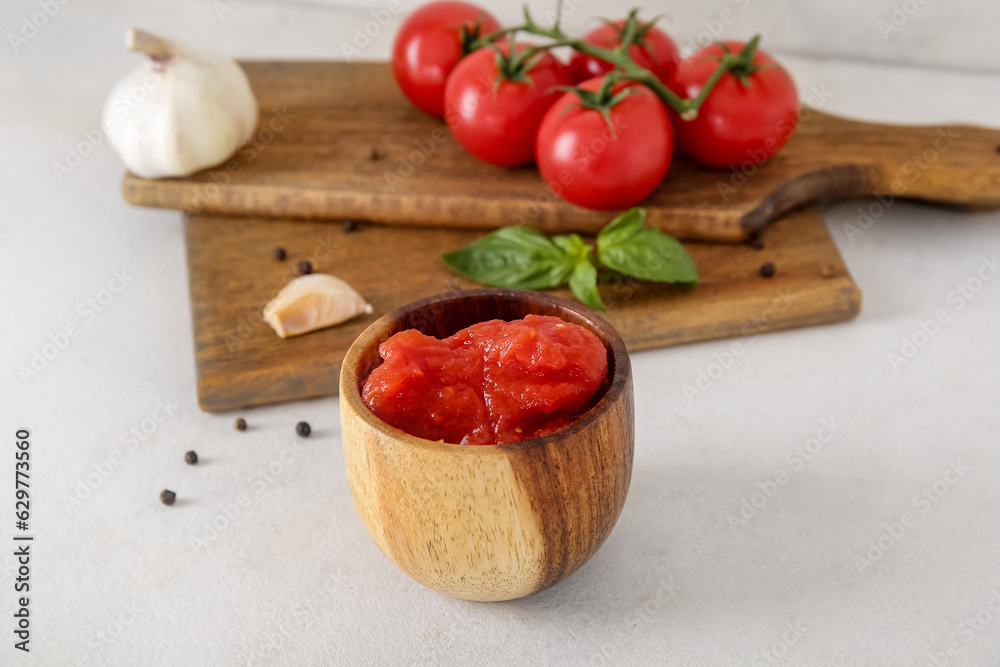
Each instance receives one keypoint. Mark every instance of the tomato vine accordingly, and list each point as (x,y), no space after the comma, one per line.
(626,67)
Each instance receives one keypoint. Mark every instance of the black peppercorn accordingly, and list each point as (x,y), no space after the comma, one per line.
(767,270)
(240,424)
(191,458)
(167,497)
(305,267)
(302,428)
(350,225)
(280,254)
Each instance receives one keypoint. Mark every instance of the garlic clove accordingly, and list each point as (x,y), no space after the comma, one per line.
(313,302)
(179,112)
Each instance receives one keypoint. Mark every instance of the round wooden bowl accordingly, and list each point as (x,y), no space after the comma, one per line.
(491,522)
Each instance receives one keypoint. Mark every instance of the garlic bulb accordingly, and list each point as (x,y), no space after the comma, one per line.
(180,112)
(313,302)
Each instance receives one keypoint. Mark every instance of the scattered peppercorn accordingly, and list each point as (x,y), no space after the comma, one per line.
(241,424)
(167,497)
(757,243)
(302,428)
(767,270)
(350,225)
(280,254)
(374,154)
(191,458)
(305,267)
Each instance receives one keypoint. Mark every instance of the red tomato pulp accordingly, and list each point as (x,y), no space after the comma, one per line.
(494,382)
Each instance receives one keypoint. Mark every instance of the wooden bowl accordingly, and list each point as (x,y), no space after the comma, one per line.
(490,522)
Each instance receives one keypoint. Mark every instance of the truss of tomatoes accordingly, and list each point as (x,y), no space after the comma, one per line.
(600,143)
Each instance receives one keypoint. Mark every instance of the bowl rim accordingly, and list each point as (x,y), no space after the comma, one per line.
(609,336)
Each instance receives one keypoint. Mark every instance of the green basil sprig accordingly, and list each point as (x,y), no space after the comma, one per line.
(524,258)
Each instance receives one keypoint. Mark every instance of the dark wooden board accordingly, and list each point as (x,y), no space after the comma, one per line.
(241,362)
(320,122)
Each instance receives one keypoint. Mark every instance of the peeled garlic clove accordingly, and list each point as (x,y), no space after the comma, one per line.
(313,302)
(179,112)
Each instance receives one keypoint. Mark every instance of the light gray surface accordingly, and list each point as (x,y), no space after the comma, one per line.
(294,579)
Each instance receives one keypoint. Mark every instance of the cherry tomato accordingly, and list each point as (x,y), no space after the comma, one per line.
(499,123)
(654,51)
(591,166)
(737,124)
(429,45)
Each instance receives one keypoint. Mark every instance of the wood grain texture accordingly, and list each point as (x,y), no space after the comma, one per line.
(241,362)
(320,121)
(494,522)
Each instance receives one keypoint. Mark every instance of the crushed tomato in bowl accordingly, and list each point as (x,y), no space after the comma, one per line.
(493,382)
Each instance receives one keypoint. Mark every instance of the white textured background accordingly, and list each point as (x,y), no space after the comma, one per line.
(293,578)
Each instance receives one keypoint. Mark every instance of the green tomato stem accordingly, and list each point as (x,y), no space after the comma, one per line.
(630,70)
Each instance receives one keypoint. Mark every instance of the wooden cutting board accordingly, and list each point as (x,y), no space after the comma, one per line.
(241,362)
(322,123)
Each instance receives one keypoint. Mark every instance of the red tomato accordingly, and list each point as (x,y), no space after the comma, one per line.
(429,45)
(499,123)
(587,165)
(736,124)
(655,51)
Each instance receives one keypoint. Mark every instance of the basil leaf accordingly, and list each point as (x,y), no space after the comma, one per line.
(606,275)
(583,282)
(646,253)
(517,257)
(623,227)
(572,244)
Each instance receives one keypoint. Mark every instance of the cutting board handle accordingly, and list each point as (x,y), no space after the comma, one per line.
(951,164)
(948,164)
